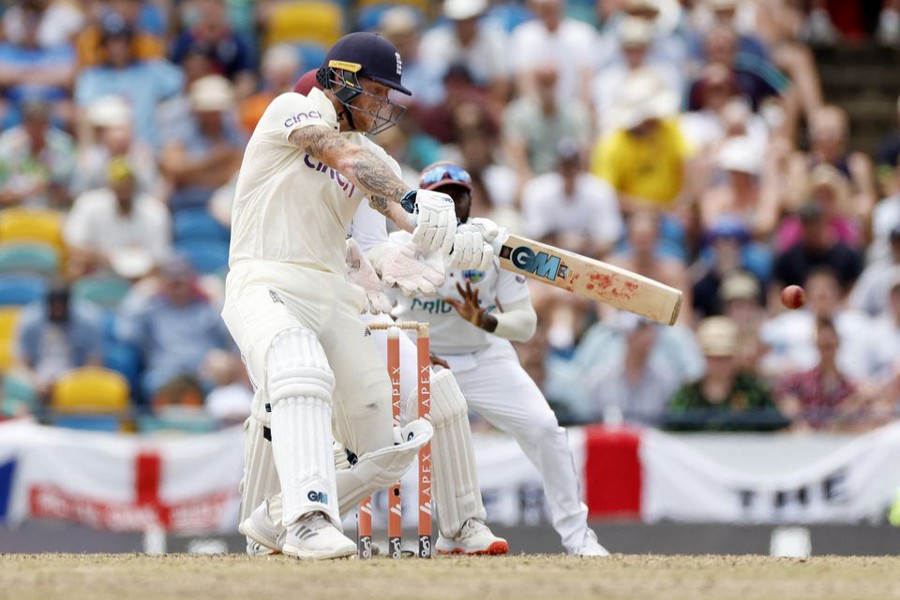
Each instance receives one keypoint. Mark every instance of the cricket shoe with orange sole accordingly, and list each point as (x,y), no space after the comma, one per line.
(474,538)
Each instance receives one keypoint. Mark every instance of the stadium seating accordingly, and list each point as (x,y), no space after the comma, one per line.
(208,257)
(90,398)
(32,225)
(423,6)
(18,396)
(9,320)
(89,422)
(305,21)
(17,290)
(30,258)
(125,359)
(198,224)
(104,291)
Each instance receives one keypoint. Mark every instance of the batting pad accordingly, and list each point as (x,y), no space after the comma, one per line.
(299,384)
(302,444)
(260,478)
(456,492)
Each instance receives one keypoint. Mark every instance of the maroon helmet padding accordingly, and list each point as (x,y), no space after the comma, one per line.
(306,83)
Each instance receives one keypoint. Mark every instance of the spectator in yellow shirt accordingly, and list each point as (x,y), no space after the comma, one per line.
(645,154)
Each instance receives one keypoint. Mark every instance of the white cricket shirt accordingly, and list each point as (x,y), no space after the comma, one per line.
(289,207)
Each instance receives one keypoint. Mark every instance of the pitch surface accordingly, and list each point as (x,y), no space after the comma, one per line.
(548,577)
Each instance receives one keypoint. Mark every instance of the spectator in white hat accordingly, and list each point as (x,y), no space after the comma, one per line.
(740,193)
(644,156)
(668,46)
(634,37)
(208,150)
(725,398)
(112,136)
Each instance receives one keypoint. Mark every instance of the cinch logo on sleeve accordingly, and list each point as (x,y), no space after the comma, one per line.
(302,116)
(539,263)
(341,181)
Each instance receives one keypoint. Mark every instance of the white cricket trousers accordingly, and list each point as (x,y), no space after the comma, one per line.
(264,298)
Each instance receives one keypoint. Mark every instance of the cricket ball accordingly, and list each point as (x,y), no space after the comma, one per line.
(793,296)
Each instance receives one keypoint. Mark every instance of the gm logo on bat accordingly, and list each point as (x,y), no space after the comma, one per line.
(540,264)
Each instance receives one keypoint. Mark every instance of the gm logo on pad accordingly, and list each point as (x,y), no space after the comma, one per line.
(315,496)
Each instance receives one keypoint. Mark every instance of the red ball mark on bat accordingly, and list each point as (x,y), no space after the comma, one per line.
(630,288)
(602,281)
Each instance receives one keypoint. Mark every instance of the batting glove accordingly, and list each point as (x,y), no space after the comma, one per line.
(470,251)
(490,231)
(435,220)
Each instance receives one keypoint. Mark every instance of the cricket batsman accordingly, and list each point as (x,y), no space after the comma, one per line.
(457,495)
(289,305)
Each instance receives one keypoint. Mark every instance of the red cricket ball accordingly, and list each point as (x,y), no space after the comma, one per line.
(793,296)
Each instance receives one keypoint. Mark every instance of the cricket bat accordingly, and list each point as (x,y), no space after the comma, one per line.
(590,278)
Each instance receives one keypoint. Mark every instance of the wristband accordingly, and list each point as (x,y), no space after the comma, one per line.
(488,322)
(408,202)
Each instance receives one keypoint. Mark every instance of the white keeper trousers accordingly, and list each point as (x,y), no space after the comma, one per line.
(497,387)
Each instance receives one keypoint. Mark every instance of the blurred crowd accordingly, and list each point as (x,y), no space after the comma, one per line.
(688,141)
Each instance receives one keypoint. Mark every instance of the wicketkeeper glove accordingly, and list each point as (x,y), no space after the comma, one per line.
(402,267)
(361,272)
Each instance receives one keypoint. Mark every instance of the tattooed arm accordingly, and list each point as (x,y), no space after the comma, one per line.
(434,223)
(392,211)
(363,167)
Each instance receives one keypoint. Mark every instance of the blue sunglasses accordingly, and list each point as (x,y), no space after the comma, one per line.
(439,173)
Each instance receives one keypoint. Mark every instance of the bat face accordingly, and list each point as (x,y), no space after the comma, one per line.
(592,279)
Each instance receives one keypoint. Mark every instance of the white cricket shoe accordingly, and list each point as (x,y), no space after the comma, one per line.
(260,528)
(590,547)
(314,537)
(474,537)
(256,549)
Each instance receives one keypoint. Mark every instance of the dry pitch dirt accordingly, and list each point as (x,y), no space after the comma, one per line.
(556,577)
